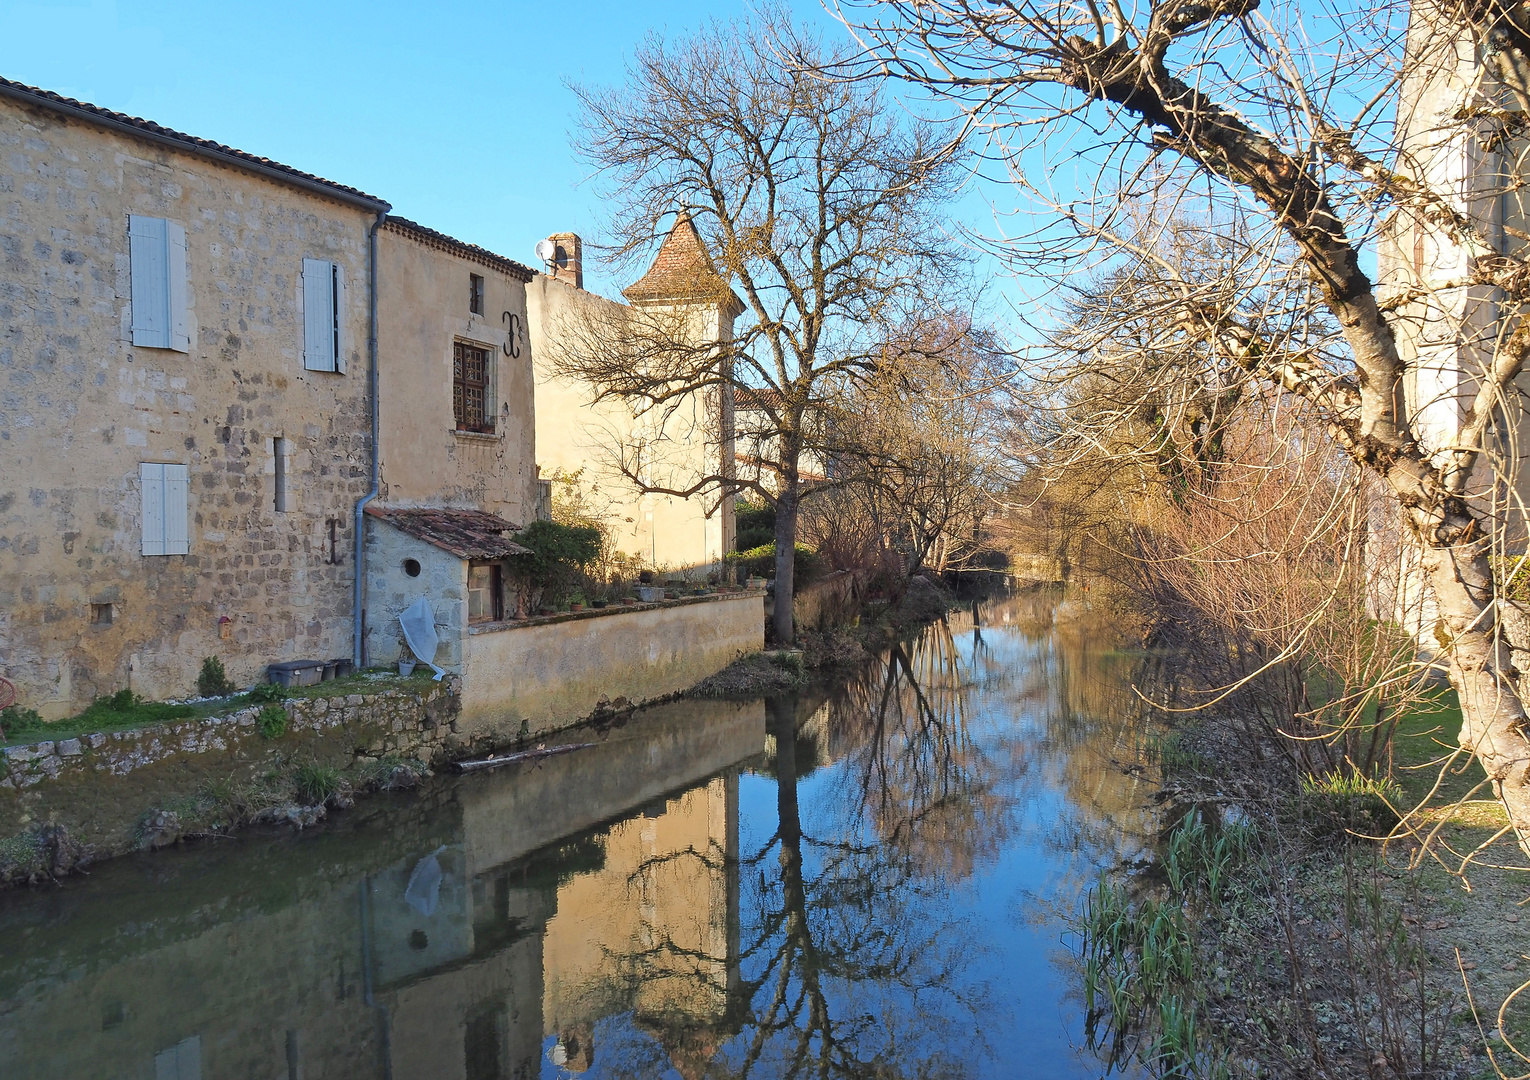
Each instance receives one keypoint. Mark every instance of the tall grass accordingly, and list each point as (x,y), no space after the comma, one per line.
(1141,995)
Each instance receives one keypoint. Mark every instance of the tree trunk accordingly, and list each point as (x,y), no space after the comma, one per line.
(1492,714)
(786,558)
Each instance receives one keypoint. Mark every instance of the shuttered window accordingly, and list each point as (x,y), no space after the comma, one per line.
(323,303)
(164,508)
(157,254)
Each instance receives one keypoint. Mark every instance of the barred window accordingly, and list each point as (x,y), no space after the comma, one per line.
(470,388)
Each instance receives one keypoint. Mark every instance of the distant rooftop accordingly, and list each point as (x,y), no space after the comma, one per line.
(149,131)
(683,271)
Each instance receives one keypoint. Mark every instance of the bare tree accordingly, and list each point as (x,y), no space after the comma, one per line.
(1294,141)
(817,202)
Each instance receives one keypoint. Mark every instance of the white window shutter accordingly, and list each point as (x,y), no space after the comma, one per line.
(177,531)
(339,317)
(175,291)
(150,281)
(152,477)
(318,315)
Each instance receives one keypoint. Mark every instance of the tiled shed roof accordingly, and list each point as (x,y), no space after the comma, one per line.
(149,131)
(440,241)
(682,270)
(467,534)
(756,398)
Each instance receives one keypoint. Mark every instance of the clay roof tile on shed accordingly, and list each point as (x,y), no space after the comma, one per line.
(155,133)
(467,534)
(683,271)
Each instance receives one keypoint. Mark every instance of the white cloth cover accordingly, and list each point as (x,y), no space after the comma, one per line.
(419,624)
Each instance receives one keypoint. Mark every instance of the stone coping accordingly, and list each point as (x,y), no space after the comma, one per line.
(613,609)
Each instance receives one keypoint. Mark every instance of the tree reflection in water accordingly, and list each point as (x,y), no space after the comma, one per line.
(850,965)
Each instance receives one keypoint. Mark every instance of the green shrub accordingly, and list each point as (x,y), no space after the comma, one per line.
(761,561)
(127,709)
(265,692)
(552,570)
(213,680)
(273,721)
(16,722)
(1340,802)
(316,783)
(754,525)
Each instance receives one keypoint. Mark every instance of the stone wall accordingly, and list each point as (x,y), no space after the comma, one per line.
(99,785)
(81,407)
(442,581)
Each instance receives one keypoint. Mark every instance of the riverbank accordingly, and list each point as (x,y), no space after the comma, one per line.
(1311,946)
(824,654)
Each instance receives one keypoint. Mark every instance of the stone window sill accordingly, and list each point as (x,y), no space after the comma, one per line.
(478,436)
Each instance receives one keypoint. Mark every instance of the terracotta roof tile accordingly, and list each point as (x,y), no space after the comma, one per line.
(442,242)
(682,270)
(152,132)
(467,534)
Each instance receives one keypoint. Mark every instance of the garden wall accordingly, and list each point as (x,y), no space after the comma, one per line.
(538,675)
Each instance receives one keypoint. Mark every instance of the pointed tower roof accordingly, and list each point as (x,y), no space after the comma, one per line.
(682,272)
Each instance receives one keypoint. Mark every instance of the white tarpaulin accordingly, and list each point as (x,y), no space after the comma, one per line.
(419,624)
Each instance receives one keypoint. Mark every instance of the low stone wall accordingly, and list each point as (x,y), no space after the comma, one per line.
(540,675)
(99,785)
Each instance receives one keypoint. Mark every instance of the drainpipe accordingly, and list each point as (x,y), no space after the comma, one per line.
(358,653)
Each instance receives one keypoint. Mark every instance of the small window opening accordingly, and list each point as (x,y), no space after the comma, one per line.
(101,614)
(412,567)
(279,457)
(484,593)
(334,311)
(418,940)
(475,293)
(333,524)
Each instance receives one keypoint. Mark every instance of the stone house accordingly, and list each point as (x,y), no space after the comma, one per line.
(595,438)
(245,414)
(456,436)
(184,416)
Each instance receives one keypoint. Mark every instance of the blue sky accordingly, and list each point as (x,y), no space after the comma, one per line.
(456,113)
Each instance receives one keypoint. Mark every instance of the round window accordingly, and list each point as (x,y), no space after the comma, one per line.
(412,567)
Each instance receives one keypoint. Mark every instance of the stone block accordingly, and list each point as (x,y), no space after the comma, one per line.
(96,741)
(19,754)
(70,748)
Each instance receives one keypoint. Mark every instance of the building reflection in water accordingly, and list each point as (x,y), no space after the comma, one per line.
(442,937)
(604,912)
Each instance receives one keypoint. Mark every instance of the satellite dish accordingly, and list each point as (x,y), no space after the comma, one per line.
(546,250)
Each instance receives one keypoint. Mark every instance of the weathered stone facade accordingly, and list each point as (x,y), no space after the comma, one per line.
(82,610)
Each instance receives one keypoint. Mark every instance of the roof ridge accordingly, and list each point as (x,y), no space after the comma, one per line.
(158,133)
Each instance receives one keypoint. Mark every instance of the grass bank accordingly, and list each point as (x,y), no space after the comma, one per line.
(1277,935)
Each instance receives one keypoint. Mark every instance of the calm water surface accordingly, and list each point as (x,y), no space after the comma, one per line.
(869,882)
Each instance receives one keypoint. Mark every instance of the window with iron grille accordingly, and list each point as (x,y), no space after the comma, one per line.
(475,293)
(470,388)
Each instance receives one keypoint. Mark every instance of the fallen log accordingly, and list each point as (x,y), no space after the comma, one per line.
(494,761)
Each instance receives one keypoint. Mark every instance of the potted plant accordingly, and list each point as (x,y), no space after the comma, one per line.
(576,604)
(598,604)
(406,660)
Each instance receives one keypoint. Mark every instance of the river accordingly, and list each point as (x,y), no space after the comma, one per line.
(873,880)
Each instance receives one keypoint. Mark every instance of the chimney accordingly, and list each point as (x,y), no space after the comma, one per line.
(567,260)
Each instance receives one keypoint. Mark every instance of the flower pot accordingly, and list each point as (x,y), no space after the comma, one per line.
(547,611)
(576,607)
(406,667)
(598,604)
